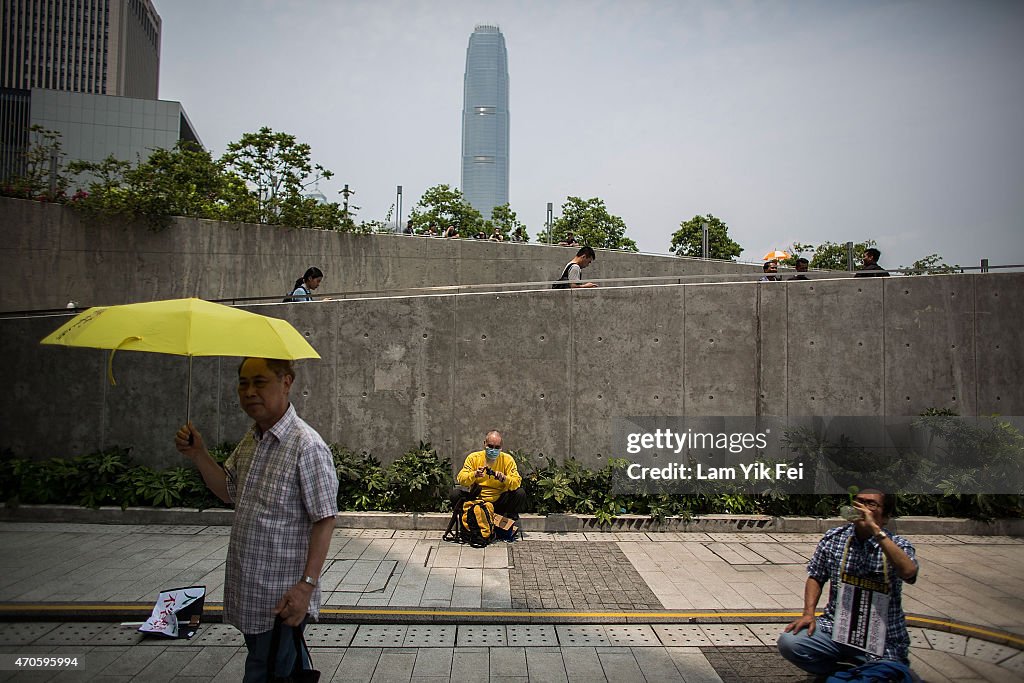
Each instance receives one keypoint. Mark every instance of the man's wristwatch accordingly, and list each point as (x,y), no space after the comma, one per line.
(310,580)
(880,536)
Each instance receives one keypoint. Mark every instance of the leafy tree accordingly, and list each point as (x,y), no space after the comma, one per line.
(688,240)
(277,169)
(183,181)
(930,265)
(508,224)
(441,206)
(830,255)
(591,224)
(34,180)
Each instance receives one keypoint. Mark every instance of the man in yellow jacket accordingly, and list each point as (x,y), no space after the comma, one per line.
(502,488)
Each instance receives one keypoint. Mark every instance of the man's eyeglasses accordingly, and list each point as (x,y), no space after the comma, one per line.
(869,504)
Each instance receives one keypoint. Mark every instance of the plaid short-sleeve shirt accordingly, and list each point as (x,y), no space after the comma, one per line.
(281,482)
(865,559)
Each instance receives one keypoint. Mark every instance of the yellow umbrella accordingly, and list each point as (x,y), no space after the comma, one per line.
(776,255)
(183,327)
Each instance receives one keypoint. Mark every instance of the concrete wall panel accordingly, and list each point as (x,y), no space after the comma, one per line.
(628,361)
(512,370)
(836,348)
(773,346)
(929,344)
(999,339)
(720,349)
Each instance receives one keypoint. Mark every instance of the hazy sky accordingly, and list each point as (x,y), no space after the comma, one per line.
(791,121)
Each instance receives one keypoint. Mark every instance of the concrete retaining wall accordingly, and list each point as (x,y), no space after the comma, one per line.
(551,368)
(58,258)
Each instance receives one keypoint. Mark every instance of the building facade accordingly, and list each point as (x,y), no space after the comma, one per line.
(485,121)
(91,127)
(103,47)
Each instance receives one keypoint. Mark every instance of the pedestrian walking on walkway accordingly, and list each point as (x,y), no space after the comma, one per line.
(282,482)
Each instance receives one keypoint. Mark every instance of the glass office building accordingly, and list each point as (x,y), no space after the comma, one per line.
(92,127)
(485,121)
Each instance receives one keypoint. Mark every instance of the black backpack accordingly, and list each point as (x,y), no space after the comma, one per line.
(565,277)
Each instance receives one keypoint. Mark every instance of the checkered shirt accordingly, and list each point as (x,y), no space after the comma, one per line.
(864,560)
(281,483)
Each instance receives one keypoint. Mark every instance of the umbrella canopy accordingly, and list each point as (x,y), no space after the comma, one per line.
(776,255)
(183,327)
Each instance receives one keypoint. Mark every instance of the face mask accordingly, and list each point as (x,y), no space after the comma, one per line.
(492,453)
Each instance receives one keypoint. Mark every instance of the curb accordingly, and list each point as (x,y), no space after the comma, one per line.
(555,523)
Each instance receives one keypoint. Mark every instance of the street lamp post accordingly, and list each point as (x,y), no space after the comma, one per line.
(398,203)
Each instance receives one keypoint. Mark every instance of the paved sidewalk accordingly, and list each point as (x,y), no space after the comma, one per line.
(601,606)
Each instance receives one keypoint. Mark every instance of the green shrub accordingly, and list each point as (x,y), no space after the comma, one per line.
(419,481)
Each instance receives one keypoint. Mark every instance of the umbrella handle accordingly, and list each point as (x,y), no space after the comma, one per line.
(110,361)
(188,403)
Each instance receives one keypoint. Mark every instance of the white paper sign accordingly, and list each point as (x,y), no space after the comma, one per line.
(172,605)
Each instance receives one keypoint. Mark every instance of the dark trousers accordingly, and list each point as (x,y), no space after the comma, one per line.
(256,664)
(509,504)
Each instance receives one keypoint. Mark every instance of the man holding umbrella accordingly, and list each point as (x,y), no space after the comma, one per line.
(282,482)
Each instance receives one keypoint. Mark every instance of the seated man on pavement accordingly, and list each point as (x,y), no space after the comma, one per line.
(502,489)
(863,620)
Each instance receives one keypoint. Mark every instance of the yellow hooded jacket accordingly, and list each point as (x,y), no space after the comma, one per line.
(490,488)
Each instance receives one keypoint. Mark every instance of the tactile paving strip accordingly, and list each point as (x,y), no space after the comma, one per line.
(635,636)
(1015,663)
(768,634)
(587,635)
(730,634)
(918,639)
(377,533)
(23,633)
(71,634)
(988,540)
(374,635)
(481,635)
(115,634)
(329,635)
(532,635)
(410,533)
(743,537)
(989,652)
(219,634)
(430,636)
(216,531)
(953,643)
(682,635)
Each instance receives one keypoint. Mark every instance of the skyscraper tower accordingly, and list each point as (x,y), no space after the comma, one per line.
(103,47)
(485,121)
